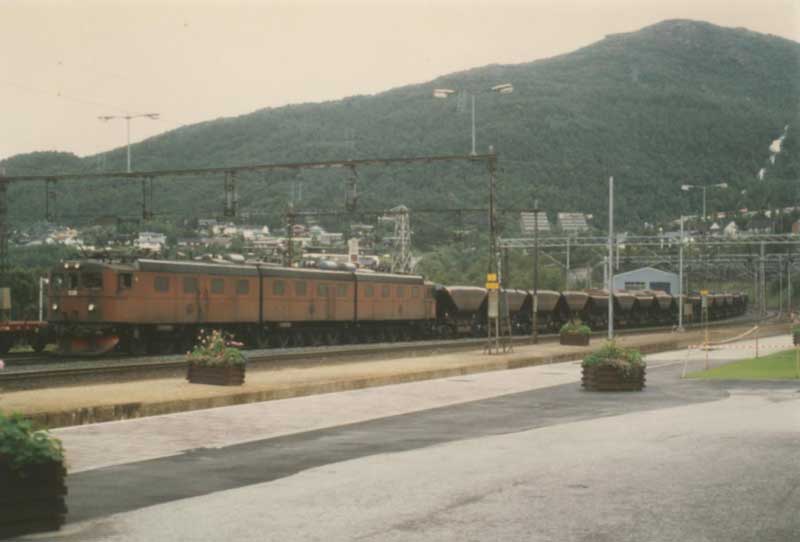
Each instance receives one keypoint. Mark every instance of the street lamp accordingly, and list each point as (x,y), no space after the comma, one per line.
(128,118)
(443,93)
(703,187)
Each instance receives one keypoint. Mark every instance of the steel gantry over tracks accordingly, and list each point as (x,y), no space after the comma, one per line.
(229,173)
(651,241)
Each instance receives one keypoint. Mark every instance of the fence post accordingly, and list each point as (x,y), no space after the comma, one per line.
(757,328)
(797,362)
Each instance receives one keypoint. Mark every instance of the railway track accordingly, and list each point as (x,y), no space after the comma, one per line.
(54,372)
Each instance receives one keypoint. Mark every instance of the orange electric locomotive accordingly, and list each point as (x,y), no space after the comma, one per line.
(157,306)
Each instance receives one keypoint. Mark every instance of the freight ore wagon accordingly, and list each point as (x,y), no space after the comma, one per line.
(154,306)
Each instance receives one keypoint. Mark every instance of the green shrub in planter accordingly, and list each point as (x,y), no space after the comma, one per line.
(217,360)
(614,368)
(575,334)
(32,475)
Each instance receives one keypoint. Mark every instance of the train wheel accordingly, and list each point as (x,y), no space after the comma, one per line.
(281,339)
(185,343)
(331,337)
(260,339)
(138,347)
(298,338)
(39,343)
(165,346)
(315,337)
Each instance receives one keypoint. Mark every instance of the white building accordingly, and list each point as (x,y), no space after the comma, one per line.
(572,222)
(528,220)
(154,242)
(647,278)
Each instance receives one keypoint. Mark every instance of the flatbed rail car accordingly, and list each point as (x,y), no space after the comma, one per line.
(156,306)
(32,333)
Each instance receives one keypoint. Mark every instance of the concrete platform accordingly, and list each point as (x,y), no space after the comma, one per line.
(521,454)
(60,407)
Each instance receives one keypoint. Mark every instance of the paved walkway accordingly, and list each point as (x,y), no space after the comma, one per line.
(115,443)
(509,455)
(61,406)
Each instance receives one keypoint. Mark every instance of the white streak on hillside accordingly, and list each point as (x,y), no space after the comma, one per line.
(774,150)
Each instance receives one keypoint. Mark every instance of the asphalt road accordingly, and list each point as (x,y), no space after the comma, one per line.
(684,460)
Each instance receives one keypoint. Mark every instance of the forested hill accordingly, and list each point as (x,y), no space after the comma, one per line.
(676,102)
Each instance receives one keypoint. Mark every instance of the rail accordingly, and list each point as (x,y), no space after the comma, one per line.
(32,376)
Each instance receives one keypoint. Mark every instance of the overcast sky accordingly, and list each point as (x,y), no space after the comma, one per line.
(64,63)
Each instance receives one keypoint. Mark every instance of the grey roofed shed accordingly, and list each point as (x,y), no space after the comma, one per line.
(647,278)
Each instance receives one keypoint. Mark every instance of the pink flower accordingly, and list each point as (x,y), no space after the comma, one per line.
(2,365)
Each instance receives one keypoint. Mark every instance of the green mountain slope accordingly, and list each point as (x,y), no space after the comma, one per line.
(676,102)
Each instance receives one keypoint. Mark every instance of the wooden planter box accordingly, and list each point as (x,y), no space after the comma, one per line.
(574,339)
(604,378)
(31,499)
(796,338)
(215,375)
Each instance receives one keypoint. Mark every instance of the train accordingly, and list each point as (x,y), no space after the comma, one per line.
(149,306)
(33,333)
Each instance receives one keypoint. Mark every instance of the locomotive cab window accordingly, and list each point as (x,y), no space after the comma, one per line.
(242,287)
(414,291)
(57,281)
(217,286)
(125,280)
(190,285)
(385,291)
(368,291)
(401,291)
(92,280)
(300,288)
(341,291)
(72,281)
(278,287)
(162,284)
(322,290)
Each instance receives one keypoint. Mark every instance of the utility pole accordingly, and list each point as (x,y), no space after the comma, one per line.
(756,302)
(789,285)
(473,153)
(610,284)
(763,283)
(492,211)
(3,233)
(493,275)
(535,334)
(780,286)
(704,203)
(680,280)
(290,219)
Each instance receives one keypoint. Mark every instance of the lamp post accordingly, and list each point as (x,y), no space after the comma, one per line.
(680,280)
(443,93)
(535,307)
(610,284)
(703,187)
(128,118)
